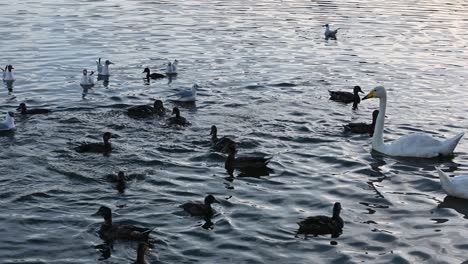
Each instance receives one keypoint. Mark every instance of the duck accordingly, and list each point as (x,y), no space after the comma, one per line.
(153,75)
(87,80)
(323,225)
(110,231)
(103,70)
(456,186)
(25,111)
(417,145)
(8,75)
(120,181)
(330,34)
(142,247)
(177,119)
(346,97)
(187,95)
(243,163)
(144,111)
(219,144)
(200,209)
(105,147)
(171,68)
(363,128)
(8,123)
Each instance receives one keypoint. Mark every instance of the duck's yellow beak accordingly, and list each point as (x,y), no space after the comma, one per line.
(369,95)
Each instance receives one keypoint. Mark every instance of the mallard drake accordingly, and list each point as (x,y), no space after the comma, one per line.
(363,128)
(87,80)
(110,231)
(25,111)
(177,119)
(8,123)
(188,95)
(456,186)
(105,147)
(171,68)
(219,144)
(143,111)
(153,75)
(8,75)
(414,145)
(330,34)
(200,209)
(323,225)
(347,97)
(103,70)
(142,247)
(243,163)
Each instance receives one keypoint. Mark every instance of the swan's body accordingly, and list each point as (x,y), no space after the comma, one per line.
(456,186)
(103,70)
(188,95)
(8,123)
(330,34)
(8,75)
(171,68)
(414,145)
(87,80)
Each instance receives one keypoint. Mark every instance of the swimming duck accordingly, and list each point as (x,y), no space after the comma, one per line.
(8,123)
(8,75)
(171,68)
(142,247)
(143,111)
(87,80)
(243,163)
(330,34)
(201,209)
(347,97)
(219,144)
(177,120)
(363,128)
(323,225)
(25,111)
(414,145)
(110,231)
(105,147)
(120,181)
(153,75)
(188,95)
(103,69)
(456,186)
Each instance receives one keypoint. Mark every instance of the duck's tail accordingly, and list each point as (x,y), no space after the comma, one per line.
(444,179)
(451,144)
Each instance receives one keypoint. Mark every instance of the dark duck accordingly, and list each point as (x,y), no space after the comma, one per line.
(153,75)
(144,111)
(244,163)
(363,128)
(323,225)
(201,209)
(110,231)
(120,181)
(105,147)
(347,97)
(219,144)
(25,111)
(177,119)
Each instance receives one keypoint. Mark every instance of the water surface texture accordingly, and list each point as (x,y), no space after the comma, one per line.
(265,71)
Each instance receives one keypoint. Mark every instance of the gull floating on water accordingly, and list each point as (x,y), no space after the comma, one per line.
(172,68)
(87,80)
(8,74)
(188,95)
(330,34)
(8,123)
(103,69)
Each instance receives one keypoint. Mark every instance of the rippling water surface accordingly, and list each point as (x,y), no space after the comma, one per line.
(265,72)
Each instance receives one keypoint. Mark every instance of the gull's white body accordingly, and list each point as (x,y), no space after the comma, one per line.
(172,67)
(187,96)
(8,123)
(8,76)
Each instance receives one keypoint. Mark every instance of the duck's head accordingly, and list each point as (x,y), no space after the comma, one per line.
(336,210)
(158,105)
(377,92)
(121,176)
(22,107)
(109,62)
(85,72)
(357,89)
(10,67)
(176,111)
(104,212)
(195,86)
(326,25)
(146,70)
(210,200)
(106,137)
(214,131)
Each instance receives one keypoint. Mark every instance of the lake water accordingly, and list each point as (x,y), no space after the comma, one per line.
(265,71)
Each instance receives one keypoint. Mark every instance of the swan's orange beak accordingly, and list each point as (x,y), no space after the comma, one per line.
(369,95)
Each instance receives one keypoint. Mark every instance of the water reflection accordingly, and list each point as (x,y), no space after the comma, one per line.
(458,204)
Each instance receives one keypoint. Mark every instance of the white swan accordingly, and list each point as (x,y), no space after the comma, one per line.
(8,74)
(172,68)
(414,145)
(87,80)
(103,69)
(330,34)
(456,186)
(8,123)
(187,96)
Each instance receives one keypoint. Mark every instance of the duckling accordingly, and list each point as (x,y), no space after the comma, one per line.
(103,70)
(200,209)
(219,144)
(323,225)
(363,128)
(171,68)
(243,163)
(110,231)
(142,247)
(177,120)
(154,75)
(347,97)
(188,95)
(25,111)
(143,111)
(87,80)
(330,34)
(105,147)
(8,75)
(8,123)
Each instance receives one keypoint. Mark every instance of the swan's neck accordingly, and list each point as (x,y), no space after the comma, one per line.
(377,138)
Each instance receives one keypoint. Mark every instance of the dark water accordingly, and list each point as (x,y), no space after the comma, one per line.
(264,69)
